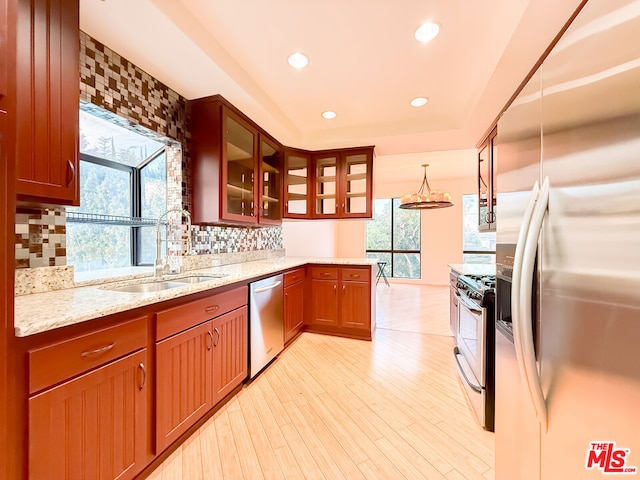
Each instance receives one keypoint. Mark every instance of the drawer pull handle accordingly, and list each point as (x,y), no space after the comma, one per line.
(325,274)
(212,308)
(355,275)
(217,336)
(98,351)
(143,370)
(210,340)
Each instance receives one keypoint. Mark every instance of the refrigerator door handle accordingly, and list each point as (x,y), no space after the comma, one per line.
(524,307)
(517,278)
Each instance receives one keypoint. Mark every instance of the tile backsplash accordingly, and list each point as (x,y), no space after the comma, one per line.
(111,86)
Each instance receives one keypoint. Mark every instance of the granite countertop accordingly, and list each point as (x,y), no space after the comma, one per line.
(40,312)
(474,268)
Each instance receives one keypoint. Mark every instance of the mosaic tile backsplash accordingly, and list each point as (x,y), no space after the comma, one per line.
(112,86)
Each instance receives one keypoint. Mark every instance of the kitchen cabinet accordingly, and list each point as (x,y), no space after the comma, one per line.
(297,183)
(230,353)
(237,167)
(343,183)
(47,96)
(184,382)
(201,357)
(4,46)
(341,301)
(294,293)
(487,188)
(93,425)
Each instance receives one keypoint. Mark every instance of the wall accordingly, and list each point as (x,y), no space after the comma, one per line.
(114,88)
(310,238)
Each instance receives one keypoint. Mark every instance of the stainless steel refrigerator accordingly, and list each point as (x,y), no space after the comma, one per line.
(568,257)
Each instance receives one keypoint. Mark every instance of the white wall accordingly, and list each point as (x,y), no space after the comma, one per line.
(453,171)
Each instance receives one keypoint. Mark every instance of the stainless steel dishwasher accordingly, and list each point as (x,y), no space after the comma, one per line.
(266,322)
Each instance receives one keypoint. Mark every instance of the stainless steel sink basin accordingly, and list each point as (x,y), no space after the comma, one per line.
(197,278)
(147,287)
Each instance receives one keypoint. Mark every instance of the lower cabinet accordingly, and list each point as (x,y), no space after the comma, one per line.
(294,291)
(230,352)
(184,382)
(94,426)
(197,366)
(341,301)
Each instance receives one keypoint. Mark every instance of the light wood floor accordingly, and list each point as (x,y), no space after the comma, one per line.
(334,408)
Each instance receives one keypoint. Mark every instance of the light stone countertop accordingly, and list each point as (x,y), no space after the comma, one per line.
(473,268)
(41,312)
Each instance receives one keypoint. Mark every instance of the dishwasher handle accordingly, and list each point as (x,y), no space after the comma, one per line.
(265,289)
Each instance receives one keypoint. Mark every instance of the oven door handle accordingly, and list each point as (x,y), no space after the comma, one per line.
(470,306)
(474,387)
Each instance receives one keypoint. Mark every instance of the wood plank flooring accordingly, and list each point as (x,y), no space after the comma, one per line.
(335,408)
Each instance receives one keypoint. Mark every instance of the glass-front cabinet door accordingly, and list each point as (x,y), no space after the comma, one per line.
(270,209)
(297,184)
(486,193)
(356,197)
(238,169)
(326,186)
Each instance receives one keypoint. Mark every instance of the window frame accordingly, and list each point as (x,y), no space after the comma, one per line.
(478,231)
(393,251)
(135,192)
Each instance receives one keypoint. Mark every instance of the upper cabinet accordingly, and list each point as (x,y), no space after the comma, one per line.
(243,175)
(487,189)
(237,168)
(47,94)
(343,183)
(329,184)
(297,183)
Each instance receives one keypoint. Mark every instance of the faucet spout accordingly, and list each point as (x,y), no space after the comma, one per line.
(161,266)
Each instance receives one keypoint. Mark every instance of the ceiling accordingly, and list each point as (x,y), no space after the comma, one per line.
(364,62)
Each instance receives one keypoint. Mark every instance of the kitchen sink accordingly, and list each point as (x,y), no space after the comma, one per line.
(147,287)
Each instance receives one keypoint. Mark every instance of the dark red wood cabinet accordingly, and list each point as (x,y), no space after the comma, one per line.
(230,352)
(294,293)
(328,184)
(341,301)
(237,167)
(47,94)
(89,404)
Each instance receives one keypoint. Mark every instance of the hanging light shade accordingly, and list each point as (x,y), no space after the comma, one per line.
(425,198)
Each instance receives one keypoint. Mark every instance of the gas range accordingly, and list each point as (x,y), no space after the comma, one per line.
(477,288)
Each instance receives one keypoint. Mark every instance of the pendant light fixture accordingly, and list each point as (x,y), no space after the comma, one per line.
(425,198)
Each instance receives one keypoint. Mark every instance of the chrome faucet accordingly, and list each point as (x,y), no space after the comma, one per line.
(160,266)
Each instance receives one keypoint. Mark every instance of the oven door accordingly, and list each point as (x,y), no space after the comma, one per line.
(470,355)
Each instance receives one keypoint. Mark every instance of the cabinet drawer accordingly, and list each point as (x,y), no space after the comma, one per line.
(324,273)
(294,276)
(177,319)
(355,274)
(54,363)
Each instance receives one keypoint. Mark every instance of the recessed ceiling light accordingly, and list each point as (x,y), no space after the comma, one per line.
(298,60)
(329,115)
(419,101)
(427,32)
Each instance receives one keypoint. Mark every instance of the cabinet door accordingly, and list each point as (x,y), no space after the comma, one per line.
(326,180)
(297,184)
(239,168)
(357,178)
(4,48)
(47,100)
(183,382)
(230,340)
(355,305)
(293,310)
(324,302)
(486,195)
(270,209)
(94,426)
